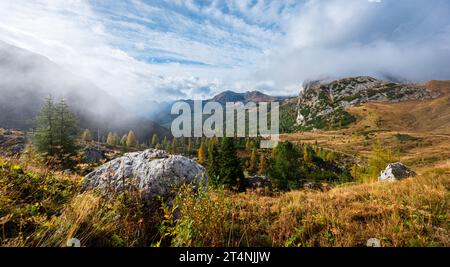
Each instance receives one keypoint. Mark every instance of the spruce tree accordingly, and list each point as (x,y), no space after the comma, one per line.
(66,130)
(230,168)
(213,163)
(44,137)
(285,171)
(57,130)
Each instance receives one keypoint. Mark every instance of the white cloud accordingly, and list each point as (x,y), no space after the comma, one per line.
(404,39)
(239,45)
(96,44)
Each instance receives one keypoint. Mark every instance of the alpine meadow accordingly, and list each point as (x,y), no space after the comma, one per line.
(225,124)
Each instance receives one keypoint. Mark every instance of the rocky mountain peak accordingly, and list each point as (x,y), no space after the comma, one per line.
(249,96)
(322,104)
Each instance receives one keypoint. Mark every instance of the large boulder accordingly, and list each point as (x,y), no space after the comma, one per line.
(153,172)
(394,172)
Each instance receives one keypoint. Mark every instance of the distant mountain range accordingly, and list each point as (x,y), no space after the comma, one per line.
(165,118)
(28,78)
(254,96)
(322,104)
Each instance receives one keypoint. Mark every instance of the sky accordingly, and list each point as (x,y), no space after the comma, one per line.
(148,50)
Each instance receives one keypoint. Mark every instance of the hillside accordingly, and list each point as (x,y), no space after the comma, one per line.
(323,105)
(28,78)
(419,130)
(427,115)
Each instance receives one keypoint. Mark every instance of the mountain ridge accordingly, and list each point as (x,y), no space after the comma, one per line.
(322,105)
(164,117)
(249,96)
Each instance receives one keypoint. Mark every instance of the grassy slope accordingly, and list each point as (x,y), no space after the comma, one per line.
(413,212)
(40,208)
(427,123)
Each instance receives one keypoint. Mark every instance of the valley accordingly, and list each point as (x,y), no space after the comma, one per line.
(82,166)
(334,200)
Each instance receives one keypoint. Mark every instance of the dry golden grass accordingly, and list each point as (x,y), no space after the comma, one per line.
(413,212)
(99,221)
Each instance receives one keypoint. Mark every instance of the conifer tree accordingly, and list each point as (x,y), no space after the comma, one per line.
(44,137)
(165,143)
(112,139)
(86,136)
(213,163)
(131,139)
(57,130)
(173,146)
(123,140)
(248,144)
(285,171)
(201,154)
(307,154)
(230,168)
(189,148)
(253,166)
(262,165)
(67,130)
(155,140)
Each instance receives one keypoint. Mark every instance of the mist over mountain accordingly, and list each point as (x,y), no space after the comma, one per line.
(165,118)
(28,78)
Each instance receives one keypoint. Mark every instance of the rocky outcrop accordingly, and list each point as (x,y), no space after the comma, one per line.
(322,105)
(394,172)
(153,172)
